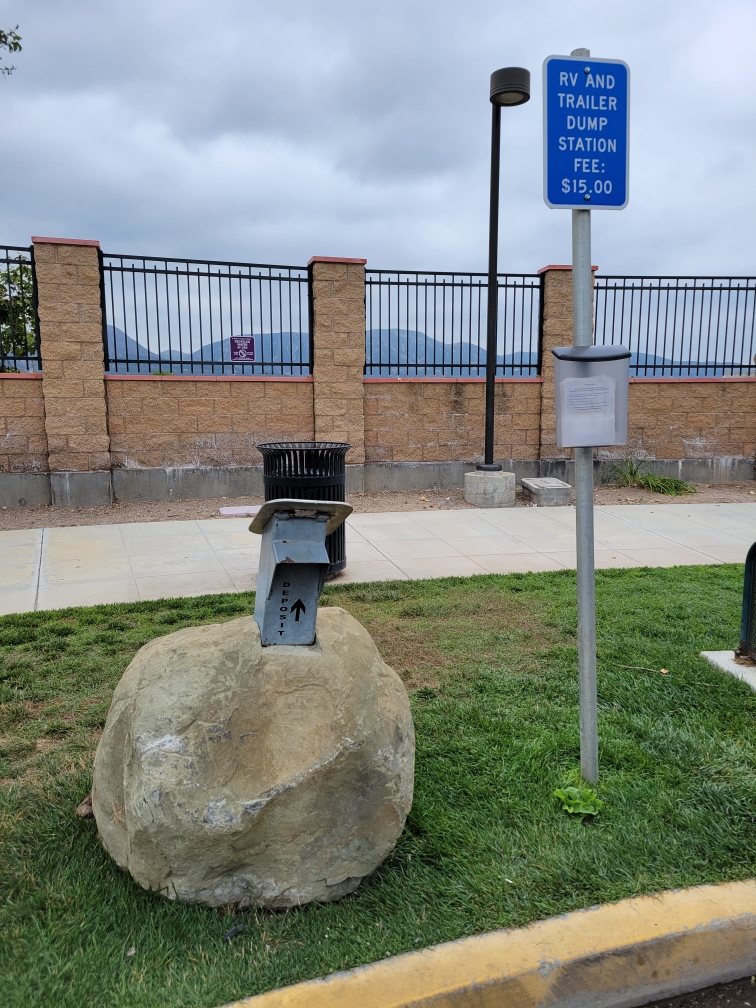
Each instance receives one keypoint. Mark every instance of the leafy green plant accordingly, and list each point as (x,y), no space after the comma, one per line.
(632,473)
(18,336)
(162,373)
(577,798)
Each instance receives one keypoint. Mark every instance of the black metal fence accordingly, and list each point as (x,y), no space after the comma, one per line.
(186,316)
(680,327)
(434,324)
(19,327)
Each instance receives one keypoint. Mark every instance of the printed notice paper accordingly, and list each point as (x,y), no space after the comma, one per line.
(587,415)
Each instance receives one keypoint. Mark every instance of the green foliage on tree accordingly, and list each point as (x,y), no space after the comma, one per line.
(11,41)
(17,321)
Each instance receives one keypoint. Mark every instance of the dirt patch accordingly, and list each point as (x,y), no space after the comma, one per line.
(387,500)
(418,638)
(46,744)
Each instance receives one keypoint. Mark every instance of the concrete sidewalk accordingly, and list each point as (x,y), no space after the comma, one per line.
(85,565)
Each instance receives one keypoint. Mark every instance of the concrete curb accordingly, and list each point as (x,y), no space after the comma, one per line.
(616,955)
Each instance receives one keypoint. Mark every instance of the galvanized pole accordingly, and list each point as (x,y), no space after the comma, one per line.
(582,328)
(493,290)
(586,584)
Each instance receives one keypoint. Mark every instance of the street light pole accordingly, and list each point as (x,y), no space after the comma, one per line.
(493,289)
(509,86)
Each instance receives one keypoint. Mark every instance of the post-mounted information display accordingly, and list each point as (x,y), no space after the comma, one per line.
(586,119)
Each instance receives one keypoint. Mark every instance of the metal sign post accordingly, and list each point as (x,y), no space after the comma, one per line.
(585,165)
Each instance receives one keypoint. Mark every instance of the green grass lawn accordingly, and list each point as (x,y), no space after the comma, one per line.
(491,666)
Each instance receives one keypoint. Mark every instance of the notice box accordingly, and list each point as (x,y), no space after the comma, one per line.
(591,386)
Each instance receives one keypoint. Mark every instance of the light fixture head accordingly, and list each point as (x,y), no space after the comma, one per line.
(510,86)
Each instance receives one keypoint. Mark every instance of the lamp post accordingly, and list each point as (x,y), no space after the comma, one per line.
(509,86)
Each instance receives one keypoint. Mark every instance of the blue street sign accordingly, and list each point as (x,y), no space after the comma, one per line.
(585,134)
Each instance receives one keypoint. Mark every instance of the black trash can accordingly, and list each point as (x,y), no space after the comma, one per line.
(309,470)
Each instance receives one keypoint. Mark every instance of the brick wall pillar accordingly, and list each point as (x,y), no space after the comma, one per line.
(70,321)
(338,321)
(557,331)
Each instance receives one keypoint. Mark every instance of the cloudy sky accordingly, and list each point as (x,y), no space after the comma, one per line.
(270,132)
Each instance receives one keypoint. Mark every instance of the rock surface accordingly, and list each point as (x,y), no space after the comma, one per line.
(233,773)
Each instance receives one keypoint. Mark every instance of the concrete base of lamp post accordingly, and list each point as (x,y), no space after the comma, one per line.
(490,489)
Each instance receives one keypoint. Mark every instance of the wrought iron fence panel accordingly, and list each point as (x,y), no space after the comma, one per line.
(434,324)
(186,316)
(19,327)
(680,327)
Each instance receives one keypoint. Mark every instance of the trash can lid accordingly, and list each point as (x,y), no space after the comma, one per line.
(293,445)
(592,353)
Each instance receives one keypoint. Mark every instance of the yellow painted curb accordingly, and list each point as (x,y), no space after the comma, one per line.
(612,956)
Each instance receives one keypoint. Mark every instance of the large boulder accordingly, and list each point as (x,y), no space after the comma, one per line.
(233,773)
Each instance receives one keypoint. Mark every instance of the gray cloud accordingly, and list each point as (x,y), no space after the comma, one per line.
(246,130)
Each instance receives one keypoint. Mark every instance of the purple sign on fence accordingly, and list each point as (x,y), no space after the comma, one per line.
(242,349)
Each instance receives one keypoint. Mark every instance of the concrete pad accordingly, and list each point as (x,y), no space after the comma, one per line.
(85,549)
(212,526)
(158,564)
(457,523)
(726,554)
(518,563)
(391,531)
(667,556)
(494,544)
(632,538)
(159,530)
(602,559)
(137,545)
(437,567)
(417,549)
(71,533)
(370,570)
(74,571)
(184,585)
(19,567)
(18,575)
(702,537)
(351,534)
(20,537)
(231,560)
(363,551)
(223,555)
(232,541)
(725,660)
(243,580)
(86,593)
(17,599)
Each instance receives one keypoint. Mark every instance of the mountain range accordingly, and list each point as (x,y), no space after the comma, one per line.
(286,353)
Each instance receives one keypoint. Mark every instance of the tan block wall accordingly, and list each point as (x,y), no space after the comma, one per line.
(443,421)
(557,331)
(82,417)
(68,286)
(23,442)
(690,419)
(338,313)
(205,422)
